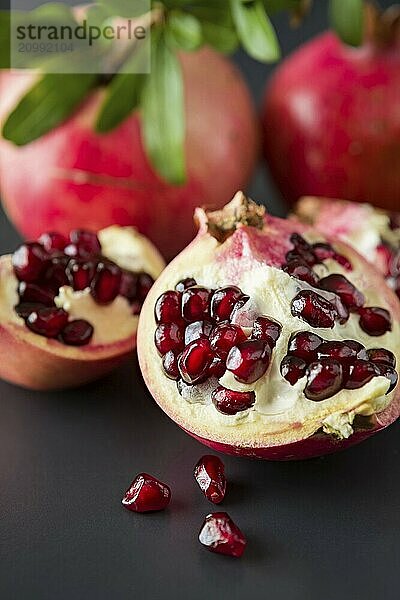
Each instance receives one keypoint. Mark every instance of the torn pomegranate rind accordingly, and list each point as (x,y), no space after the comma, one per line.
(265,409)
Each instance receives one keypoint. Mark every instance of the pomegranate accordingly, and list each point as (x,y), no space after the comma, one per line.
(294,370)
(210,475)
(331,120)
(69,305)
(373,232)
(146,494)
(74,176)
(221,535)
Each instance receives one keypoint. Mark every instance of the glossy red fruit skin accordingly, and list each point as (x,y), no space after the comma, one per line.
(220,534)
(209,473)
(335,142)
(146,494)
(230,402)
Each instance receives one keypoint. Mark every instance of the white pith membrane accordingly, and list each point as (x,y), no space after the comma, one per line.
(281,413)
(113,322)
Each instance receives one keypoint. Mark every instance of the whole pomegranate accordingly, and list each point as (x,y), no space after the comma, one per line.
(264,338)
(73,176)
(331,119)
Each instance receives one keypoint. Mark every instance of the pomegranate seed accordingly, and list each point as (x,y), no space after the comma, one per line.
(323,251)
(238,307)
(249,360)
(304,345)
(210,475)
(299,242)
(86,243)
(223,301)
(217,367)
(195,303)
(314,309)
(55,276)
(224,336)
(390,373)
(53,241)
(106,282)
(381,355)
(146,494)
(341,351)
(220,534)
(230,402)
(361,373)
(343,261)
(169,336)
(29,261)
(324,379)
(168,307)
(77,333)
(293,369)
(24,309)
(267,330)
(183,284)
(298,269)
(144,285)
(30,292)
(357,347)
(375,321)
(128,285)
(195,360)
(302,249)
(80,273)
(351,297)
(47,321)
(196,330)
(170,365)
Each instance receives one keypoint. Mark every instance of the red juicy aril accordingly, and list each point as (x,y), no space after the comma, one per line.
(210,475)
(146,494)
(46,289)
(264,363)
(221,535)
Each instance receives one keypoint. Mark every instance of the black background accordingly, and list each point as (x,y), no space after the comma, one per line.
(324,528)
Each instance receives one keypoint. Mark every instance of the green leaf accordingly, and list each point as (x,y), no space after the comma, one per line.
(164,113)
(347,20)
(123,96)
(255,30)
(125,8)
(4,39)
(217,27)
(184,30)
(47,104)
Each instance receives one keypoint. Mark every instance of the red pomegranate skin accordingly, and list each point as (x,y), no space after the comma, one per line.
(73,177)
(331,122)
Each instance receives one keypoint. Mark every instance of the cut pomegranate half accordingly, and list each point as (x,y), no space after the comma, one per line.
(269,364)
(68,306)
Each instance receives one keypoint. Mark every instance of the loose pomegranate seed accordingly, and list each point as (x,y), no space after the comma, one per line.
(183,284)
(30,292)
(314,309)
(267,330)
(55,276)
(220,534)
(210,475)
(169,336)
(47,321)
(293,369)
(381,355)
(323,251)
(146,494)
(170,365)
(195,303)
(86,242)
(53,241)
(230,402)
(80,273)
(144,285)
(304,345)
(106,282)
(195,360)
(24,309)
(249,360)
(375,321)
(390,373)
(197,330)
(341,351)
(324,379)
(29,261)
(77,333)
(298,269)
(128,285)
(223,301)
(347,292)
(168,307)
(224,336)
(217,367)
(361,373)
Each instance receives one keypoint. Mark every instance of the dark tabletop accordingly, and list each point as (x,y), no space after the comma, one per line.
(327,528)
